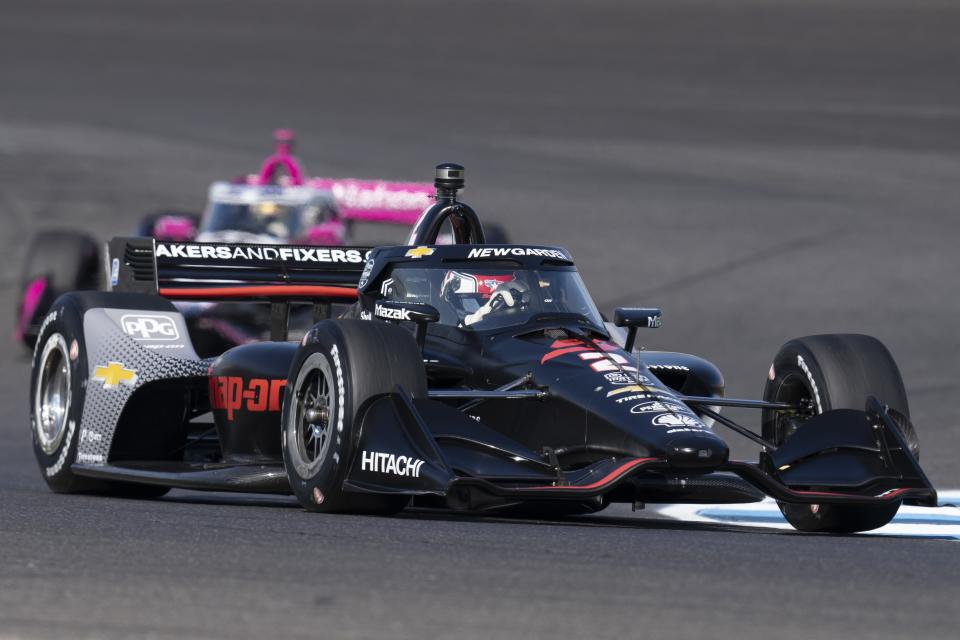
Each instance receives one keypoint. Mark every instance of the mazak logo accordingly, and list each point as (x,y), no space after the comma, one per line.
(390,463)
(654,322)
(150,327)
(390,313)
(232,393)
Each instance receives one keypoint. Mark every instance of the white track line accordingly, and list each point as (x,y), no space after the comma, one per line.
(921,522)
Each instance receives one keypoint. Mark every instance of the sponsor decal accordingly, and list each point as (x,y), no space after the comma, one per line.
(607,361)
(639,388)
(149,327)
(233,393)
(366,195)
(634,397)
(386,286)
(813,383)
(673,420)
(114,272)
(365,276)
(341,394)
(654,322)
(95,458)
(389,313)
(617,377)
(563,347)
(54,469)
(669,367)
(254,252)
(113,374)
(660,395)
(391,464)
(419,252)
(52,316)
(501,252)
(657,406)
(90,436)
(366,315)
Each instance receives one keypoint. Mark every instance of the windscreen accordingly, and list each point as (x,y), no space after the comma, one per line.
(263,218)
(480,299)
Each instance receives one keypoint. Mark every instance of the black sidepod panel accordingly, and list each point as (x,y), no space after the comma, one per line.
(246,393)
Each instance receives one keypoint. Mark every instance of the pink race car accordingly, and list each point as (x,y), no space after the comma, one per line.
(278,205)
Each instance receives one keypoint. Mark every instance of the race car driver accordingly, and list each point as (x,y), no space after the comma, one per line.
(476,295)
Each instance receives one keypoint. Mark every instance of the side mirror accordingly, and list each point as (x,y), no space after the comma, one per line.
(634,318)
(416,312)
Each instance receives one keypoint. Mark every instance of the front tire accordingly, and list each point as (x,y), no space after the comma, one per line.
(835,371)
(342,366)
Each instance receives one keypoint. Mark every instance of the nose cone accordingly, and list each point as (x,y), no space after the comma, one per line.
(701,452)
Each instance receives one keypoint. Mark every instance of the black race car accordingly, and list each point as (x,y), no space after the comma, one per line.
(471,377)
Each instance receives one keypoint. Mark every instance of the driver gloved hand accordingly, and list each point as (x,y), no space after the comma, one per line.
(499,299)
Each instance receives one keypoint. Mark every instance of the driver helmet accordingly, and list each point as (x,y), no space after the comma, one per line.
(469,292)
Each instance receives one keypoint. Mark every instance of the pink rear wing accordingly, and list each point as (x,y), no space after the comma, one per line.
(378,200)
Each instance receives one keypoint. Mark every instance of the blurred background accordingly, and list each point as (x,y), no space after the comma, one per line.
(760,170)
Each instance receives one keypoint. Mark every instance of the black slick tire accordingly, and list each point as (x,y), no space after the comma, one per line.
(341,367)
(835,371)
(56,262)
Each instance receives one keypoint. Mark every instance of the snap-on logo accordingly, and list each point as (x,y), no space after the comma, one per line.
(233,393)
(149,327)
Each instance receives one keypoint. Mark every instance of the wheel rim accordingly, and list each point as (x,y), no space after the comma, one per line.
(52,401)
(794,389)
(315,402)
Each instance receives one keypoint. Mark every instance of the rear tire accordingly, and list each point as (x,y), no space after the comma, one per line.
(343,365)
(57,391)
(56,262)
(835,371)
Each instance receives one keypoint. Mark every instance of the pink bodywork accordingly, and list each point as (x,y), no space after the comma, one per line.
(377,200)
(362,200)
(174,228)
(331,232)
(28,305)
(281,159)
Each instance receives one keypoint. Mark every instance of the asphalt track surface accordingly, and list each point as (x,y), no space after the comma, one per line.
(759,170)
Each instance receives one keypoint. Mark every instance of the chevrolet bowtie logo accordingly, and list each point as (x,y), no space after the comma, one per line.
(113,374)
(419,252)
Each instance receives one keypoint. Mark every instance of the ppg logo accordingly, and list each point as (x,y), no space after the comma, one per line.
(150,327)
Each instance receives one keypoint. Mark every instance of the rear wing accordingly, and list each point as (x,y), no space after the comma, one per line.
(378,200)
(240,272)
